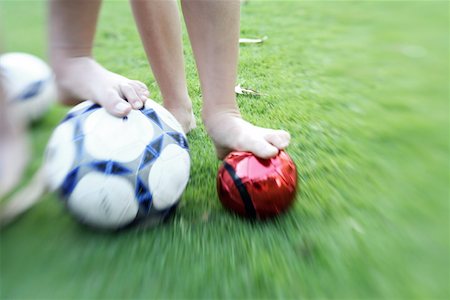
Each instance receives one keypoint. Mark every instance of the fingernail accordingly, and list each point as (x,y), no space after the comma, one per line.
(122,107)
(144,98)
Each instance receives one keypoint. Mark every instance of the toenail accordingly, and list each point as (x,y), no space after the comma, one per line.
(121,107)
(137,104)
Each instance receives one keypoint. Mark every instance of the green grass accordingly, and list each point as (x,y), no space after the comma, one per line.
(363,89)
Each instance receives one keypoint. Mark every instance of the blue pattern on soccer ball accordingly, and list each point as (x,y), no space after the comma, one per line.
(109,167)
(151,114)
(143,195)
(151,152)
(69,182)
(179,138)
(31,90)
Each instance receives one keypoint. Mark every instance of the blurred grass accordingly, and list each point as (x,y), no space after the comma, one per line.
(363,89)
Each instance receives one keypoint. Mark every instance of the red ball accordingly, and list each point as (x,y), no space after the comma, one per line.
(255,187)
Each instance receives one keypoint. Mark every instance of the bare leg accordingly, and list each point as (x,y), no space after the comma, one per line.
(160,28)
(13,146)
(79,76)
(213,28)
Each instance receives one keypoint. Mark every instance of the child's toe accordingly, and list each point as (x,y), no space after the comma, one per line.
(278,138)
(130,94)
(116,106)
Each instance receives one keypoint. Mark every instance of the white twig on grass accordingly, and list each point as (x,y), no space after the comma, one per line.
(252,41)
(244,91)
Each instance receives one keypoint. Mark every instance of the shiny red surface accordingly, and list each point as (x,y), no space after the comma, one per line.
(271,183)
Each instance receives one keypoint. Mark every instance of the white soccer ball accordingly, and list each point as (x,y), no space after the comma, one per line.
(112,172)
(29,84)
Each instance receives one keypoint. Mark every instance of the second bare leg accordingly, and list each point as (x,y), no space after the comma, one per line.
(160,29)
(213,28)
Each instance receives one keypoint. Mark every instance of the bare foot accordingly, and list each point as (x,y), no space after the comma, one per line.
(182,111)
(230,132)
(82,78)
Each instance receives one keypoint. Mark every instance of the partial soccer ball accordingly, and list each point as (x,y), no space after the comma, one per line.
(257,188)
(29,84)
(113,172)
